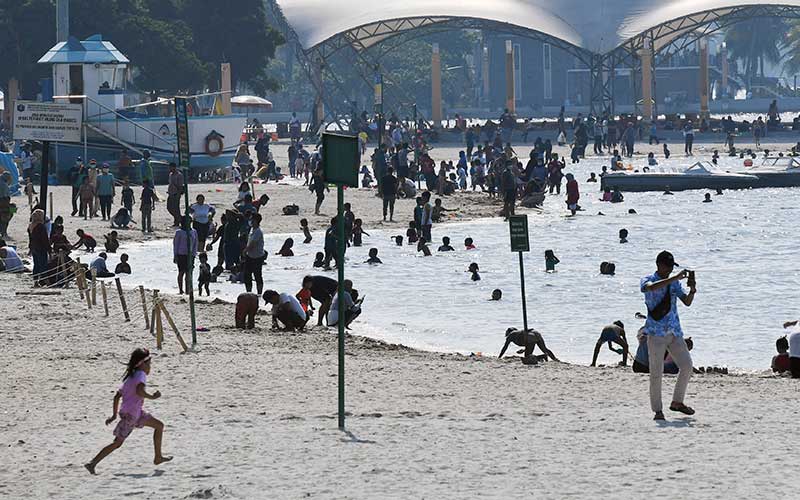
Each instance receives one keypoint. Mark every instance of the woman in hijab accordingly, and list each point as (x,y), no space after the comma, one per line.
(39,243)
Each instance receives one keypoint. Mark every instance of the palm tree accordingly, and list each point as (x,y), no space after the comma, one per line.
(755,41)
(791,46)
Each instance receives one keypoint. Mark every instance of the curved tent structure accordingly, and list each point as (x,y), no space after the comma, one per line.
(594,26)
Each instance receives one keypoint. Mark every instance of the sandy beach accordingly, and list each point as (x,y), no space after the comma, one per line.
(252,414)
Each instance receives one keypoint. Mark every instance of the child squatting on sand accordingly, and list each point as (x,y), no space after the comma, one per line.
(131,415)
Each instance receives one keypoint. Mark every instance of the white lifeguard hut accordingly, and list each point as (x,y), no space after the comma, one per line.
(92,67)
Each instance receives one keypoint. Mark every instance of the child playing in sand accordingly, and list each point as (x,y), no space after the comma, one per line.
(85,240)
(439,210)
(445,246)
(132,416)
(473,268)
(127,196)
(358,231)
(123,267)
(286,249)
(411,233)
(112,243)
(423,247)
(469,244)
(306,232)
(373,257)
(319,260)
(550,261)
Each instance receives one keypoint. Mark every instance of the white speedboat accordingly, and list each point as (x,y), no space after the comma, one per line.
(701,175)
(776,171)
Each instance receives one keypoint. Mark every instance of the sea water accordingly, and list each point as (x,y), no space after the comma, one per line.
(743,247)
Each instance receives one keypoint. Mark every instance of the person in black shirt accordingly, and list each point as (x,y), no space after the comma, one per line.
(389,193)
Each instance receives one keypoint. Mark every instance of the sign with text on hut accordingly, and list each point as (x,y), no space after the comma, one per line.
(47,121)
(518,229)
(182,131)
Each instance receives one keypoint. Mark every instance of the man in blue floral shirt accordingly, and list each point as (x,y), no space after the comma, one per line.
(663,330)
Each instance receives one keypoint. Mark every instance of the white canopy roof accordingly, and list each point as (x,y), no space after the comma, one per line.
(250,99)
(598,26)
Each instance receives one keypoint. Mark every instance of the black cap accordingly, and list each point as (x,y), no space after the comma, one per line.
(666,258)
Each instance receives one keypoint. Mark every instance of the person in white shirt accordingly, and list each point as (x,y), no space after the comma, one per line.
(794,349)
(287,309)
(352,308)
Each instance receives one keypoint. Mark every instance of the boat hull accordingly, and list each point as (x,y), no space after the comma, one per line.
(676,182)
(776,179)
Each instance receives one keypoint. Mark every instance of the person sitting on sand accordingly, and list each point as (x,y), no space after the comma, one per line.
(85,240)
(473,268)
(613,333)
(352,309)
(99,266)
(528,340)
(246,310)
(9,260)
(780,362)
(58,240)
(122,219)
(497,294)
(123,267)
(439,210)
(133,393)
(286,249)
(286,309)
(373,257)
(445,246)
(794,349)
(469,244)
(422,246)
(112,243)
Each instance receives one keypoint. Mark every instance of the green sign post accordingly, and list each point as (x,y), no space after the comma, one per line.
(182,132)
(340,158)
(518,229)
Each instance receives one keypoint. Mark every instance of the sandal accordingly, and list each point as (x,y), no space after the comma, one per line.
(681,408)
(659,416)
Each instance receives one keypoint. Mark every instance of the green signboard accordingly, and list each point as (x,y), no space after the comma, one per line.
(518,228)
(340,159)
(182,131)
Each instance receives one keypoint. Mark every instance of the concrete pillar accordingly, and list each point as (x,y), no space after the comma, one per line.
(485,72)
(645,56)
(62,20)
(510,93)
(225,80)
(703,52)
(723,54)
(436,86)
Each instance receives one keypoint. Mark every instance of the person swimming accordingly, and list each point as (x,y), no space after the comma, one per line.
(445,246)
(497,294)
(306,231)
(469,244)
(473,268)
(319,260)
(373,257)
(707,199)
(422,246)
(527,340)
(398,240)
(411,233)
(550,261)
(623,235)
(286,249)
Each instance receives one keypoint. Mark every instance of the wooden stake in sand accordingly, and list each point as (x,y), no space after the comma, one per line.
(159,326)
(105,297)
(122,299)
(153,314)
(77,269)
(86,288)
(94,287)
(172,325)
(144,308)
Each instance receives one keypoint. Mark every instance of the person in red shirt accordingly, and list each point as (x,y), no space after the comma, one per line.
(573,195)
(780,362)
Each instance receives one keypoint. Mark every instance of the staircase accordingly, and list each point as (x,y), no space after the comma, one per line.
(108,123)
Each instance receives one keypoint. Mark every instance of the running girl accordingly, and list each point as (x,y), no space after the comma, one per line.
(133,393)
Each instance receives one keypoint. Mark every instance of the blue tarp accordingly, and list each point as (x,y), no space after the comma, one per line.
(7,164)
